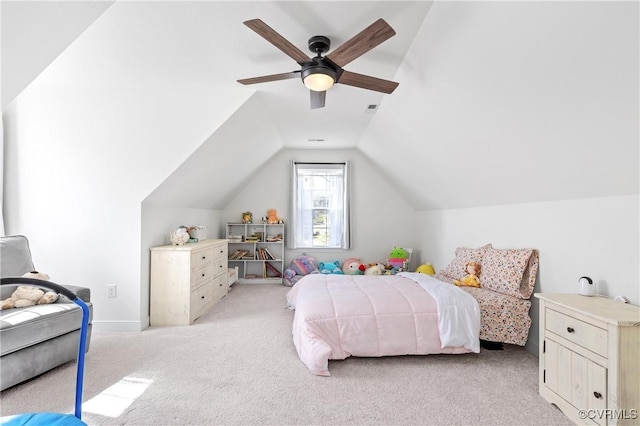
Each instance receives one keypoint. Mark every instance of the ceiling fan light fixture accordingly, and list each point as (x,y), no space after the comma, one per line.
(318,78)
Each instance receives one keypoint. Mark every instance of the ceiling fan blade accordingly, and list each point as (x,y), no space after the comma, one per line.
(362,42)
(273,77)
(367,82)
(317,99)
(277,40)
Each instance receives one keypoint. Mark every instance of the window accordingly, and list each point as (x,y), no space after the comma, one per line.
(319,206)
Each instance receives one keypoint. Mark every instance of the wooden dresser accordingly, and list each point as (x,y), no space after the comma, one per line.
(590,358)
(187,280)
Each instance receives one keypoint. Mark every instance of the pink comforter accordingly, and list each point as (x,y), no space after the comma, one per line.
(337,316)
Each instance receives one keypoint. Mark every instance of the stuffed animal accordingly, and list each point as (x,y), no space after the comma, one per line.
(398,253)
(375,269)
(272,216)
(330,267)
(299,267)
(470,280)
(397,257)
(426,268)
(180,236)
(37,275)
(25,295)
(353,266)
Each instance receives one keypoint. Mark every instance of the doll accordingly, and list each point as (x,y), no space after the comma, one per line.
(470,280)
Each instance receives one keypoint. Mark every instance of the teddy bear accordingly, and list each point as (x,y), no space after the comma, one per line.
(272,216)
(330,267)
(25,296)
(470,280)
(353,266)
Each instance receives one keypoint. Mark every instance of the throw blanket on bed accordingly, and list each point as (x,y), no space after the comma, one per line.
(458,312)
(337,316)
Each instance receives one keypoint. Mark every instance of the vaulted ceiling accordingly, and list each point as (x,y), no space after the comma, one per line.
(498,102)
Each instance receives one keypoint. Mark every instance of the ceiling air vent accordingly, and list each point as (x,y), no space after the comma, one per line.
(371,109)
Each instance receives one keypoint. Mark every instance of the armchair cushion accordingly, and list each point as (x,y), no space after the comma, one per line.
(24,327)
(16,256)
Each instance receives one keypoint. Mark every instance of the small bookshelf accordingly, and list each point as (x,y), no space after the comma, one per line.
(257,249)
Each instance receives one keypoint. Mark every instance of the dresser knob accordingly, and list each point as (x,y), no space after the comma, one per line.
(203,275)
(597,395)
(204,257)
(570,329)
(202,297)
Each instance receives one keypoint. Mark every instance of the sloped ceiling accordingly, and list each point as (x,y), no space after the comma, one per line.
(34,33)
(498,103)
(514,102)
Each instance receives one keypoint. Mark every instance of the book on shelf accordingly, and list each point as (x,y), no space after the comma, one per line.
(270,256)
(271,271)
(238,254)
(264,254)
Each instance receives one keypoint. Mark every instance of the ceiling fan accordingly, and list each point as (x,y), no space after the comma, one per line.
(320,73)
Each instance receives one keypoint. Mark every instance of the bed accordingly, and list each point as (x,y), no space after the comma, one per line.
(338,316)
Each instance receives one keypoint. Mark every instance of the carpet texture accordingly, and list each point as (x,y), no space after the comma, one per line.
(237,365)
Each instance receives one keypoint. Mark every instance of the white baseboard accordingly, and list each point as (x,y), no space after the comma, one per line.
(100,326)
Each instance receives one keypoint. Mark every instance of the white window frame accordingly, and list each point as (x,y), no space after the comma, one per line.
(301,220)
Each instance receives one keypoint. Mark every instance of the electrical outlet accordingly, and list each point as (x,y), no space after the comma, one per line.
(111,291)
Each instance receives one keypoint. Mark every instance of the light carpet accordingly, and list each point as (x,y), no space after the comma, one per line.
(237,365)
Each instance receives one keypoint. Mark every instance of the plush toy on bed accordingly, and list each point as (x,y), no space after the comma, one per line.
(299,267)
(470,280)
(426,268)
(375,269)
(26,295)
(330,267)
(397,257)
(353,266)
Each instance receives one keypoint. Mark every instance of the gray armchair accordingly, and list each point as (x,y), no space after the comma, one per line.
(37,338)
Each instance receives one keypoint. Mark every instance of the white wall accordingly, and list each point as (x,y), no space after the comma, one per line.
(596,237)
(76,174)
(89,139)
(380,218)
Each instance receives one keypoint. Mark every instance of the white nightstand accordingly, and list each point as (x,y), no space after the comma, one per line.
(590,358)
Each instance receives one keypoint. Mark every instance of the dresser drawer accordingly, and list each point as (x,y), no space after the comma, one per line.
(219,266)
(220,287)
(220,252)
(579,332)
(201,258)
(201,299)
(201,275)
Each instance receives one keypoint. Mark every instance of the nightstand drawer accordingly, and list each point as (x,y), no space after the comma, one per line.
(579,332)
